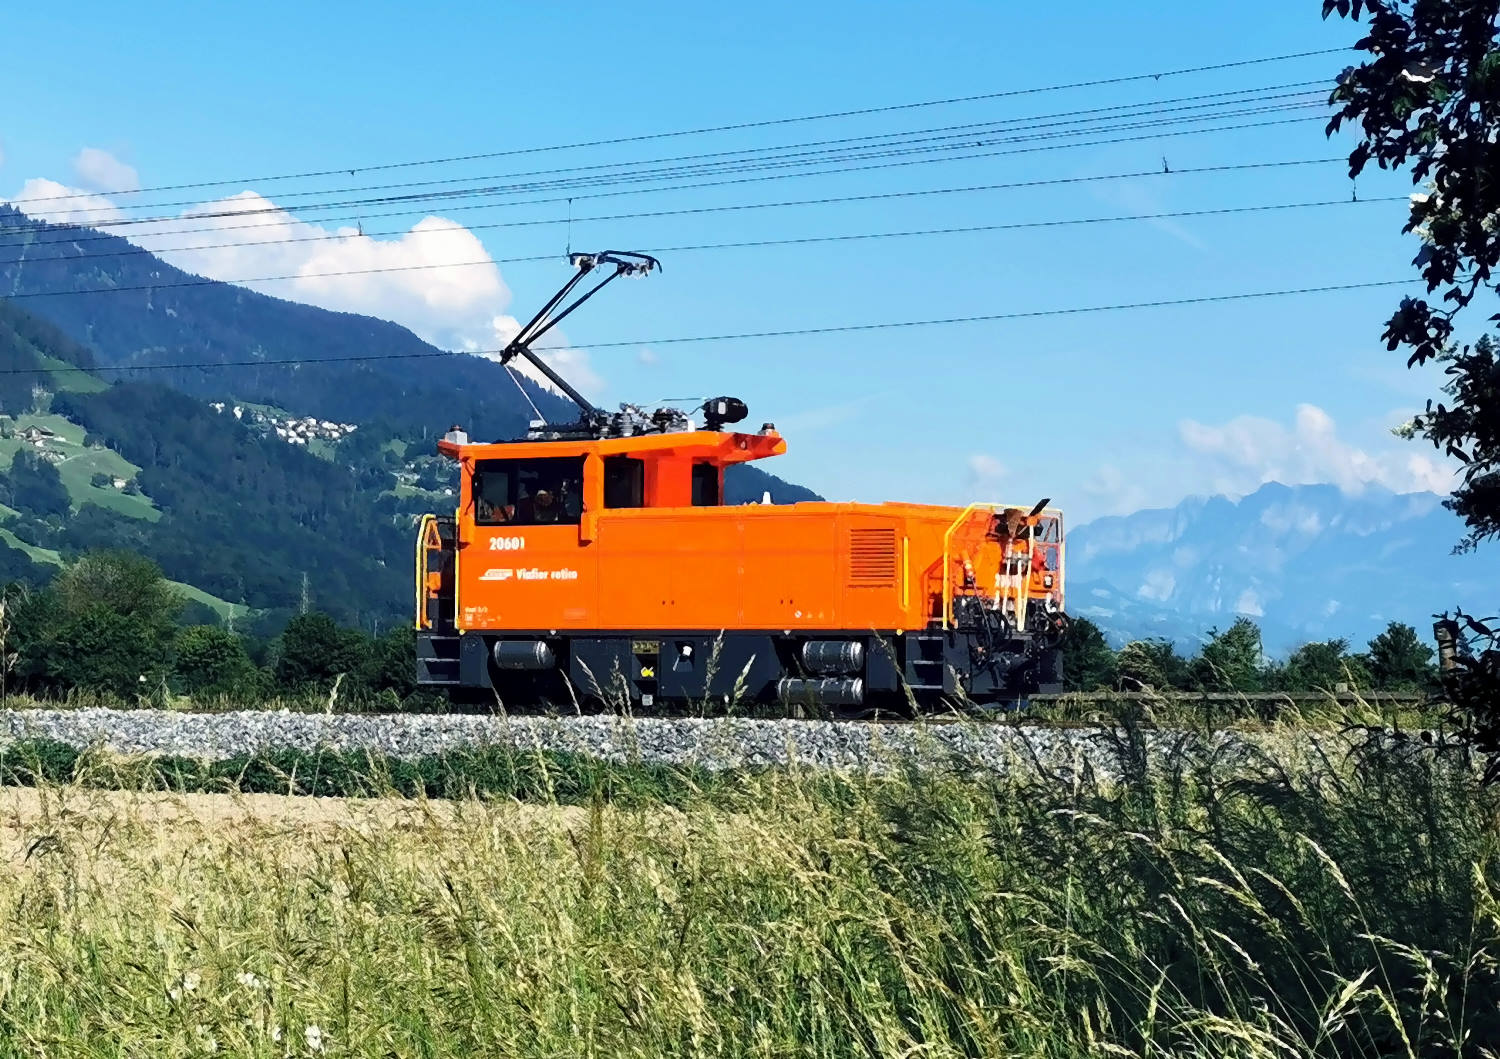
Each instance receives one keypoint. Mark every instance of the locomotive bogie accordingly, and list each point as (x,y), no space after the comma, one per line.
(738,671)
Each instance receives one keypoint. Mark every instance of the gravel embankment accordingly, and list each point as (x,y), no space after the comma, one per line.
(715,743)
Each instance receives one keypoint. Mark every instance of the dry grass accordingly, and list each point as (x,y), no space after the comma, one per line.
(1274,911)
(177,825)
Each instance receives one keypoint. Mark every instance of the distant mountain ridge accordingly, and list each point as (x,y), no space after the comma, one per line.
(132,309)
(1307,562)
(155,314)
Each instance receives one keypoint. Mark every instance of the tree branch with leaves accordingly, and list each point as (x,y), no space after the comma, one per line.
(1428,100)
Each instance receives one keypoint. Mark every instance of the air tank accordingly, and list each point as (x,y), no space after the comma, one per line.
(523,654)
(821,691)
(833,656)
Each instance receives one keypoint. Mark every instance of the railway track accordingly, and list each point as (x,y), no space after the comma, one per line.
(711,743)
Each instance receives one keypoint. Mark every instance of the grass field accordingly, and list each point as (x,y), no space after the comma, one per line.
(79,465)
(37,555)
(222,607)
(1284,907)
(67,379)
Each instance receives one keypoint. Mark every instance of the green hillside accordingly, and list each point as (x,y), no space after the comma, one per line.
(79,465)
(239,520)
(48,557)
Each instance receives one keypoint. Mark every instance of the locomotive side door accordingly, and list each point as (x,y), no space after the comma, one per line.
(526,568)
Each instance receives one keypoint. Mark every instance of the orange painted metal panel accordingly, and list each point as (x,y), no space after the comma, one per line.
(670,566)
(803,566)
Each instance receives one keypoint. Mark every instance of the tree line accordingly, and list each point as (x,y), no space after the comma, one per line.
(1234,660)
(110,624)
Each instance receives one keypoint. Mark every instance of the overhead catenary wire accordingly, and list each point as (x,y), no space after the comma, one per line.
(1028,126)
(977,147)
(789,241)
(1207,299)
(649,214)
(278,212)
(525,396)
(735,126)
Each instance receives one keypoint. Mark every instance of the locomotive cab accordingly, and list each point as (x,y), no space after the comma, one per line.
(570,482)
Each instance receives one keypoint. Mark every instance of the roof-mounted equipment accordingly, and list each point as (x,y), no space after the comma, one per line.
(620,263)
(593,422)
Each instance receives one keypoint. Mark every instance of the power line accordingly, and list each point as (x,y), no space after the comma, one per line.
(276,210)
(995,317)
(1015,226)
(686,211)
(137,250)
(743,335)
(840,160)
(1031,123)
(791,241)
(732,127)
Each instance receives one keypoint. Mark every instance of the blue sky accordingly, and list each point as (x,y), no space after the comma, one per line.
(1104,412)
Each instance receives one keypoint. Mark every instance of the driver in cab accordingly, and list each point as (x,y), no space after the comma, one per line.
(541,508)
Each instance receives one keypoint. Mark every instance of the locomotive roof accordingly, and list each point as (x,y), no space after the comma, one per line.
(721,447)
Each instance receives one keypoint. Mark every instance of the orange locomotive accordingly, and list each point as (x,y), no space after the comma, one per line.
(598,561)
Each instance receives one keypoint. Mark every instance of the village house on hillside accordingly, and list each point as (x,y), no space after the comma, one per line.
(35,435)
(44,441)
(293,430)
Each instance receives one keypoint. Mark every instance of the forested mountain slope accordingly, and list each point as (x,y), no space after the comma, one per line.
(211,492)
(85,465)
(148,317)
(245,516)
(145,319)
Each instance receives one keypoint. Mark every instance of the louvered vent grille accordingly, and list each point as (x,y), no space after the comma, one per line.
(872,558)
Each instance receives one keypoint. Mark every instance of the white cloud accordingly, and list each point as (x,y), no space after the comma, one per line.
(1248,451)
(98,170)
(50,201)
(572,364)
(1294,518)
(984,470)
(1158,585)
(436,278)
(1111,491)
(648,358)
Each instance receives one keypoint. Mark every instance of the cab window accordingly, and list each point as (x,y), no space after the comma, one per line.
(528,492)
(624,482)
(705,485)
